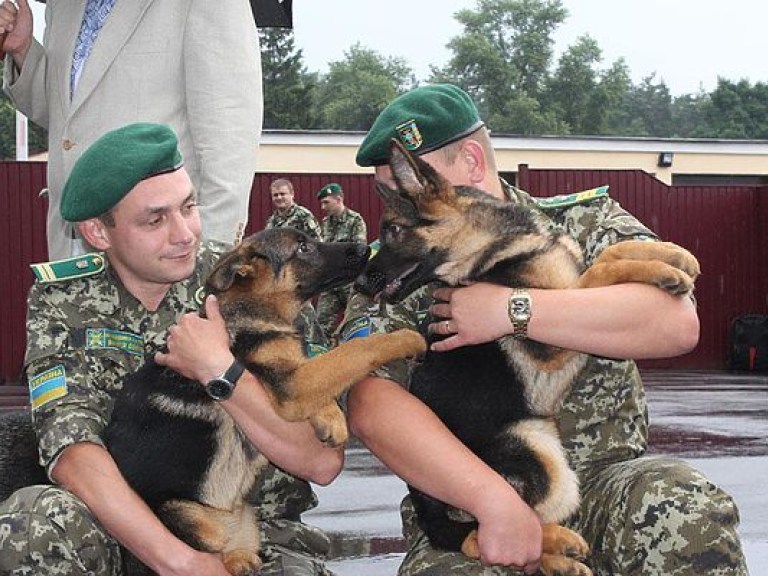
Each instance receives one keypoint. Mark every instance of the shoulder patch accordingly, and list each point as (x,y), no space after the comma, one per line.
(47,386)
(69,268)
(375,246)
(565,200)
(358,328)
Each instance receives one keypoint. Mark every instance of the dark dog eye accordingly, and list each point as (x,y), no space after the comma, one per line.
(303,247)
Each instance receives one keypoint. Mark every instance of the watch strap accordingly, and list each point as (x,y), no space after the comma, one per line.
(234,372)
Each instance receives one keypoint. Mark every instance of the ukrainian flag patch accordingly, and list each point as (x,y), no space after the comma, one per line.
(48,386)
(358,328)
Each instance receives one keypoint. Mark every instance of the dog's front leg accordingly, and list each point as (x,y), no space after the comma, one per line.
(656,273)
(318,382)
(330,424)
(668,252)
(661,264)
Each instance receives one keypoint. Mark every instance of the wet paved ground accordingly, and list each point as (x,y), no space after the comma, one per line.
(717,421)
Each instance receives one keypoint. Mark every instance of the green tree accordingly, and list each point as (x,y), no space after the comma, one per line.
(573,87)
(37,138)
(688,119)
(354,91)
(288,87)
(607,99)
(502,58)
(737,110)
(645,111)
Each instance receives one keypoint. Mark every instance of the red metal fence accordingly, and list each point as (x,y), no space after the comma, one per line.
(725,226)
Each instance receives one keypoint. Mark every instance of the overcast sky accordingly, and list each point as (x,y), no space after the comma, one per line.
(687,43)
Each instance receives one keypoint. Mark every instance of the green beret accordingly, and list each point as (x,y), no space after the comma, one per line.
(424,119)
(331,189)
(114,164)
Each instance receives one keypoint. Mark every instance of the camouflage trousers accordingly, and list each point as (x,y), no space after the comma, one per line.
(648,516)
(330,306)
(47,531)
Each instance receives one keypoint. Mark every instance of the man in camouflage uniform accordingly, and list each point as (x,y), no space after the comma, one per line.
(287,213)
(94,319)
(341,224)
(640,515)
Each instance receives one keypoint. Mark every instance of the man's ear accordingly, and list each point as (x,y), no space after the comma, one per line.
(94,231)
(473,156)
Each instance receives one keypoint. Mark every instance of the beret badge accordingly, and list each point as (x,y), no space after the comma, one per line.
(409,135)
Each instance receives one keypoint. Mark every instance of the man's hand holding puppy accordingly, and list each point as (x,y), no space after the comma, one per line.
(198,348)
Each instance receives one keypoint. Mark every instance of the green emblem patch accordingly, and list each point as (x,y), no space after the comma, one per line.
(410,135)
(100,338)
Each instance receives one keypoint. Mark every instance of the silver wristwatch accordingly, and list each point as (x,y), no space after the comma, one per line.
(519,310)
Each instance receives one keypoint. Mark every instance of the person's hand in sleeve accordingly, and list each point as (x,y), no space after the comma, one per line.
(16,26)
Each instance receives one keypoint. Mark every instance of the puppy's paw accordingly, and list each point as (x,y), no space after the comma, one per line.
(242,562)
(332,431)
(674,281)
(411,342)
(680,258)
(471,547)
(555,565)
(561,541)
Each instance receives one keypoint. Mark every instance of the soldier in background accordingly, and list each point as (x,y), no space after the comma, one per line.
(94,319)
(287,213)
(339,225)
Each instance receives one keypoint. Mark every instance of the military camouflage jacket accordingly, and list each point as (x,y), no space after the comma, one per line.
(296,217)
(348,226)
(85,334)
(604,419)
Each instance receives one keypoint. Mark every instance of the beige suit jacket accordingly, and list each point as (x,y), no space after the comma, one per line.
(193,64)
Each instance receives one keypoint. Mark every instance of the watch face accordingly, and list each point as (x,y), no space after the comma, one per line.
(219,389)
(520,308)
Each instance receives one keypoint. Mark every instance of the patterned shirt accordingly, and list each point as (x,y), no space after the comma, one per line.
(296,217)
(604,418)
(348,226)
(85,334)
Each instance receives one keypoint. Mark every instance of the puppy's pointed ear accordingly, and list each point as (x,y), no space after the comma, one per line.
(229,268)
(398,201)
(243,262)
(415,177)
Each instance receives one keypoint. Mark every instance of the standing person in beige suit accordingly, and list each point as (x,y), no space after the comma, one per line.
(107,63)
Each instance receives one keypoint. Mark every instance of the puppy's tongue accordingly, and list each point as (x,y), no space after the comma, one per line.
(395,285)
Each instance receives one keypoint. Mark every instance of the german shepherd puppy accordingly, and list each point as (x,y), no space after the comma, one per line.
(183,453)
(499,398)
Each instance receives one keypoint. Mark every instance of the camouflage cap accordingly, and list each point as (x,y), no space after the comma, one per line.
(424,119)
(114,164)
(331,189)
